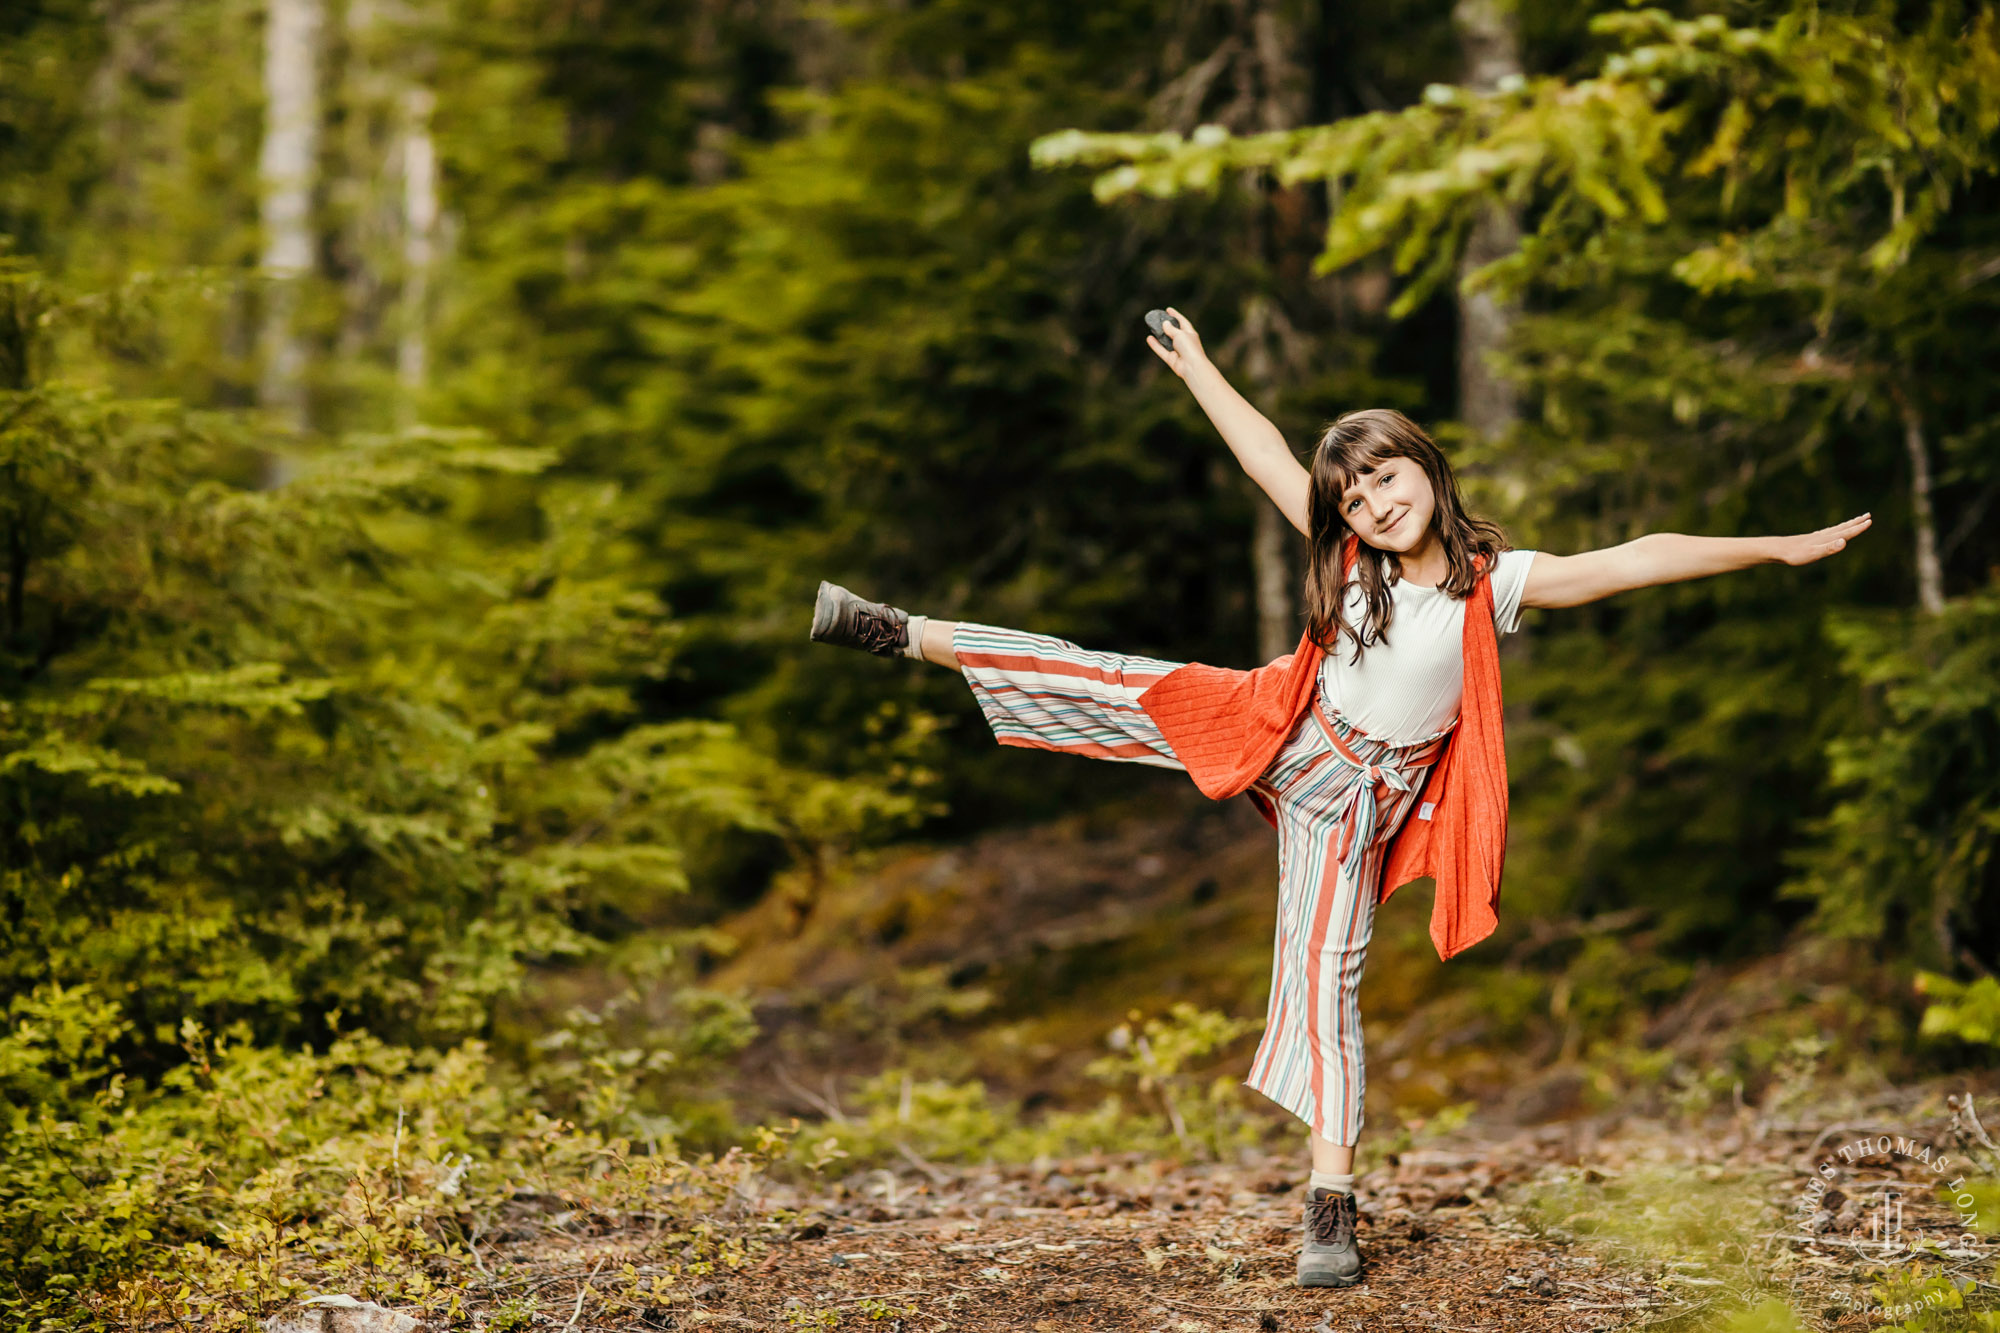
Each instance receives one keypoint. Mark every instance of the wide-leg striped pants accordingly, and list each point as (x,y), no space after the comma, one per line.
(1338,797)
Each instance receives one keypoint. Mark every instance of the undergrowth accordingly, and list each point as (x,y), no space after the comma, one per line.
(1156,1103)
(248,1178)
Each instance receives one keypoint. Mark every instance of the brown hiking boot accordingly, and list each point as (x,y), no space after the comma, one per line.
(1331,1256)
(841,618)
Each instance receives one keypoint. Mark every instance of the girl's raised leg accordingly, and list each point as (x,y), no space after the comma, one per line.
(1035,690)
(935,636)
(1047,693)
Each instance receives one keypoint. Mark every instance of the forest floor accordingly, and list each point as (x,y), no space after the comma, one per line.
(1578,1194)
(1593,1223)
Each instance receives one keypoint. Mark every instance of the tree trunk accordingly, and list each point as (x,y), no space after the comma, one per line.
(285,169)
(1256,80)
(1281,97)
(1930,568)
(420,216)
(1265,337)
(1486,402)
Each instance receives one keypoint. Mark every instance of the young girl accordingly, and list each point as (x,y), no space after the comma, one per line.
(1389,707)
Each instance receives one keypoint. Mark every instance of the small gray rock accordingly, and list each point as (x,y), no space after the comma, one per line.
(341,1314)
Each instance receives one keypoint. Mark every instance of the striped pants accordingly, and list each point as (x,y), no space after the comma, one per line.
(1337,795)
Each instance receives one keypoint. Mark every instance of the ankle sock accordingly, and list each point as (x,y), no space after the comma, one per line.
(1326,1180)
(916,645)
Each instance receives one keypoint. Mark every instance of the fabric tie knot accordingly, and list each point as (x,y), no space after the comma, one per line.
(1388,777)
(1370,794)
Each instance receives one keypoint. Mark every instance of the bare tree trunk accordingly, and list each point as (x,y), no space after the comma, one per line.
(1486,402)
(1255,80)
(1281,98)
(1267,341)
(420,217)
(1270,555)
(357,177)
(285,169)
(1930,568)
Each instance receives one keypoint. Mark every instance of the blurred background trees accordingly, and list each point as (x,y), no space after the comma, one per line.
(425,423)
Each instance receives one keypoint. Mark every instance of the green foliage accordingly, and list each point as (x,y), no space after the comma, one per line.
(250,1176)
(1159,1059)
(1966,1011)
(1656,1209)
(1907,852)
(1838,109)
(961,1122)
(268,752)
(325,746)
(1154,1066)
(1923,1300)
(1771,1315)
(1715,1221)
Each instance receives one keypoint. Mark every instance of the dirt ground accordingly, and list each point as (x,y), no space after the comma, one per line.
(1449,1236)
(1546,1211)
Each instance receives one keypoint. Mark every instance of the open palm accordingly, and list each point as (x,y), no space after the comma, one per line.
(1811,546)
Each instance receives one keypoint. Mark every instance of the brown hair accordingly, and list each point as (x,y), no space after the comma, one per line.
(1355,446)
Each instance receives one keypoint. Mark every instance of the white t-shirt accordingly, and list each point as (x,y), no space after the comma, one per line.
(1408,685)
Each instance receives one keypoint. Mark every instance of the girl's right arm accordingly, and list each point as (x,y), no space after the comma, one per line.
(1249,433)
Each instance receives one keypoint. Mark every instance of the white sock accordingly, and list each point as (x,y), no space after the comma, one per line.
(916,646)
(1326,1180)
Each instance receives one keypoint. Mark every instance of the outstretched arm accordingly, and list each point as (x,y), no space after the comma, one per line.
(1671,557)
(1249,433)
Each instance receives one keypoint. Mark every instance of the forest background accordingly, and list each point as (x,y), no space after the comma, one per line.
(423,424)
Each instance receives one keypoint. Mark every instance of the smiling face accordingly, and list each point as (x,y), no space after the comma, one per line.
(1390,505)
(1378,476)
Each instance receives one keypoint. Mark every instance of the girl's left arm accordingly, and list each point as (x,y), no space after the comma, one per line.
(1671,557)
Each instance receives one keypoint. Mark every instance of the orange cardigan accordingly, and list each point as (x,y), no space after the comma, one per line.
(1227,726)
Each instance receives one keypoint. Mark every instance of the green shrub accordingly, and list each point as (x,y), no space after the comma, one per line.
(249,1177)
(1967,1011)
(326,766)
(960,1122)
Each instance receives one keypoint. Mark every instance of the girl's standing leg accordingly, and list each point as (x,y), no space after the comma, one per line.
(1331,1159)
(1339,797)
(1311,1060)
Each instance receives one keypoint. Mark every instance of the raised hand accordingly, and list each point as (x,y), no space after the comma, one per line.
(1811,546)
(1187,354)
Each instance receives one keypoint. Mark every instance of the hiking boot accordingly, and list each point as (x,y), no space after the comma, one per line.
(1331,1256)
(842,619)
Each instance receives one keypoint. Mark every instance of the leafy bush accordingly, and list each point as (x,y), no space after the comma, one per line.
(301,779)
(1968,1011)
(958,1122)
(1907,853)
(251,1177)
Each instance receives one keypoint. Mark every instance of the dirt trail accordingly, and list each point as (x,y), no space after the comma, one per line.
(1450,1239)
(1548,1211)
(1133,1245)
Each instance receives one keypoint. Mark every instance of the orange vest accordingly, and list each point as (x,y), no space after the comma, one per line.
(1227,726)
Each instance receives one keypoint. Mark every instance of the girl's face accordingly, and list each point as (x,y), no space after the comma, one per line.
(1390,506)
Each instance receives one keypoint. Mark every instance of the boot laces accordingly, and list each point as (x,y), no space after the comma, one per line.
(1332,1218)
(875,630)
